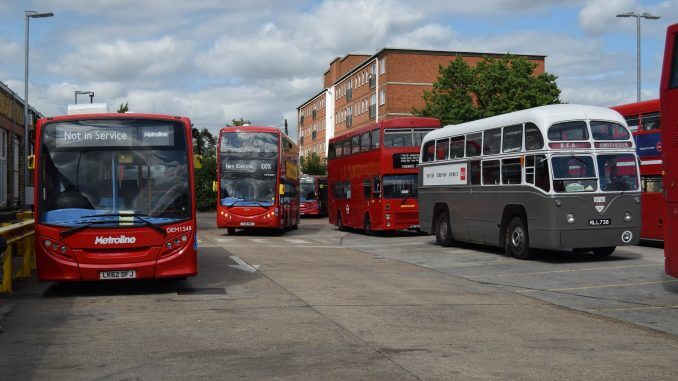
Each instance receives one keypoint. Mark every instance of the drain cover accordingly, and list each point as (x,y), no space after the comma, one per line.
(202,291)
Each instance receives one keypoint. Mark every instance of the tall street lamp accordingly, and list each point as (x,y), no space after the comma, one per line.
(29,15)
(638,17)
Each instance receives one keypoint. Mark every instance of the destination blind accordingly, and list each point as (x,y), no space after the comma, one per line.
(78,136)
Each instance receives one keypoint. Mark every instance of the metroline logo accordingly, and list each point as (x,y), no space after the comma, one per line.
(100,240)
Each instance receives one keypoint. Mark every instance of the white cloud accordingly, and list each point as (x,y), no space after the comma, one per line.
(125,60)
(599,16)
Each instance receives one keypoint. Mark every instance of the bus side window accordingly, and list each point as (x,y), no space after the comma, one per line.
(442,149)
(511,171)
(428,151)
(367,188)
(457,147)
(491,174)
(376,191)
(347,189)
(330,151)
(338,189)
(375,138)
(475,172)
(355,142)
(365,142)
(473,144)
(533,139)
(492,142)
(541,173)
(513,138)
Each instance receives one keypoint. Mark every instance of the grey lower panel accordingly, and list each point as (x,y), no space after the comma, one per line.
(582,238)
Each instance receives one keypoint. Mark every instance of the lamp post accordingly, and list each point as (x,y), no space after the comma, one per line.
(28,15)
(90,93)
(638,17)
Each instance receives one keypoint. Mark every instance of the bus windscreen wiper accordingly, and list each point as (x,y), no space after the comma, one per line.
(76,229)
(139,216)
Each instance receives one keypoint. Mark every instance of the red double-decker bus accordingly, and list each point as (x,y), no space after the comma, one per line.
(668,106)
(372,174)
(643,120)
(258,179)
(114,197)
(313,196)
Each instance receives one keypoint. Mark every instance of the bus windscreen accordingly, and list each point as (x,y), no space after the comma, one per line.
(249,163)
(103,167)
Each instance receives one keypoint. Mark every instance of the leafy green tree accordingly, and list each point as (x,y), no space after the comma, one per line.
(207,175)
(123,107)
(313,165)
(493,86)
(239,122)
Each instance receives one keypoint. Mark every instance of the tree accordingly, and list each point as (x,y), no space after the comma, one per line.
(493,86)
(123,107)
(204,177)
(313,165)
(239,122)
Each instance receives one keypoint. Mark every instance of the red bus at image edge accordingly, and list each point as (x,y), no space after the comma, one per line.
(668,106)
(643,121)
(114,210)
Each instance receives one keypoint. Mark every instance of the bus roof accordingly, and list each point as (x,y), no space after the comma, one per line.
(111,115)
(542,116)
(638,107)
(391,123)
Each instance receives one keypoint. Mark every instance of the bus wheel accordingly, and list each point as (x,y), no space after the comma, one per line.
(517,242)
(367,225)
(604,251)
(230,231)
(443,231)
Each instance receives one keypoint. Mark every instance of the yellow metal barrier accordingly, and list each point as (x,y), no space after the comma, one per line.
(20,242)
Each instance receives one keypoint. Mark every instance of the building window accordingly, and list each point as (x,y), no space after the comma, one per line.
(382,66)
(382,96)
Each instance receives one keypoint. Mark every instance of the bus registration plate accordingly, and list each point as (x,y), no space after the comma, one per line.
(125,274)
(247,223)
(600,222)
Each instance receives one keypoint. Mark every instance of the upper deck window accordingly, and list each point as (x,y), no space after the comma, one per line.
(442,149)
(419,135)
(473,144)
(533,138)
(457,147)
(428,151)
(492,142)
(608,131)
(513,138)
(398,138)
(673,78)
(650,121)
(568,131)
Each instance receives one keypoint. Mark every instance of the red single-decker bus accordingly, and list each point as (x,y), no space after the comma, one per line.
(372,175)
(257,179)
(668,106)
(643,120)
(114,197)
(313,195)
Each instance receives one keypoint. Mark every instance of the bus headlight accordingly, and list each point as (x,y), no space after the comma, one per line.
(569,218)
(636,199)
(627,216)
(388,216)
(558,203)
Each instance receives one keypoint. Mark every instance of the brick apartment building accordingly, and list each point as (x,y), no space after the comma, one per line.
(361,89)
(12,157)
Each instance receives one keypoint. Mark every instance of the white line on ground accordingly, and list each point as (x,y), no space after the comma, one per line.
(295,240)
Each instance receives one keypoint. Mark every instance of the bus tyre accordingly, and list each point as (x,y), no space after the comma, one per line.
(604,251)
(367,225)
(230,231)
(443,231)
(517,243)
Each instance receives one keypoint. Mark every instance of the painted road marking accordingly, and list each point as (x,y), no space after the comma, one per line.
(223,239)
(294,240)
(571,270)
(259,240)
(242,265)
(601,286)
(675,306)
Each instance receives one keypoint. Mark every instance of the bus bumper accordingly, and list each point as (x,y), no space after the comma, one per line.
(585,238)
(54,269)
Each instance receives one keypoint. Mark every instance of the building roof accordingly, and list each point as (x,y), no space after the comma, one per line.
(16,96)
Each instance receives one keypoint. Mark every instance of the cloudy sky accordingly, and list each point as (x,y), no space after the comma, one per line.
(216,60)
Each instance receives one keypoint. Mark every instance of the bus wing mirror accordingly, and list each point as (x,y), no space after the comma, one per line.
(197,161)
(282,190)
(30,162)
(195,133)
(214,186)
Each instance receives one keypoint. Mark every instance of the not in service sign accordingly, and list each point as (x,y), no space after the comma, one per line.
(448,174)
